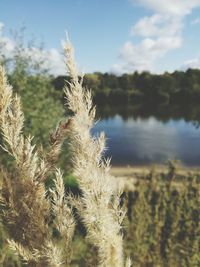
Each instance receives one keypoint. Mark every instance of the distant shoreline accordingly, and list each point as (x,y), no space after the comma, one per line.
(130,171)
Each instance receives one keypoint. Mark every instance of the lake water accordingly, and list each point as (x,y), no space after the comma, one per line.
(146,141)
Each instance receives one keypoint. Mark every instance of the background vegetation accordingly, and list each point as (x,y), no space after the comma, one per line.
(170,95)
(162,227)
(177,87)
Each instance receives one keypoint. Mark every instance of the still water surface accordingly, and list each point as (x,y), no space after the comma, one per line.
(142,141)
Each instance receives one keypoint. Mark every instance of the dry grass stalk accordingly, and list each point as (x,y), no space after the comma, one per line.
(100,209)
(27,212)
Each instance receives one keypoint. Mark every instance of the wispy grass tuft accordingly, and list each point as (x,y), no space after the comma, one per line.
(99,206)
(26,210)
(41,224)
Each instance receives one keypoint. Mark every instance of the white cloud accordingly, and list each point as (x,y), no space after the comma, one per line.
(192,63)
(158,34)
(55,61)
(195,21)
(51,57)
(142,56)
(157,25)
(170,7)
(1,26)
(6,44)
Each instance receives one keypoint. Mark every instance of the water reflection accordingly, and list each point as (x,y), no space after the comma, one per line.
(142,138)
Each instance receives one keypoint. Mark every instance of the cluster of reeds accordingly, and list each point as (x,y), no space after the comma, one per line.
(40,222)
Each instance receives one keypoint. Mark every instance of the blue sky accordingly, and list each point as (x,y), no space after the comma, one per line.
(110,35)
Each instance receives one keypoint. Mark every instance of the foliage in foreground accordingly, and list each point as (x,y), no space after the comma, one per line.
(41,224)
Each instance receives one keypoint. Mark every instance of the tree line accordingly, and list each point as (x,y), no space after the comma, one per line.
(169,88)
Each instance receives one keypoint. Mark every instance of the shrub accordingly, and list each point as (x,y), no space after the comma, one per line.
(164,221)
